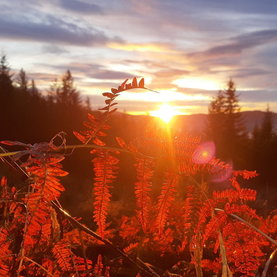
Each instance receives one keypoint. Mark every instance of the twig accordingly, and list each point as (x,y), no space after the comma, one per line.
(106,242)
(91,146)
(267,264)
(249,225)
(226,272)
(108,148)
(7,154)
(40,266)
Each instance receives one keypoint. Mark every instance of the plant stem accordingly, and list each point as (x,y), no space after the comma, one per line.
(143,267)
(250,225)
(40,266)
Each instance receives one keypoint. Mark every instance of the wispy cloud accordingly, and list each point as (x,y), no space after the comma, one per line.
(52,29)
(81,7)
(238,44)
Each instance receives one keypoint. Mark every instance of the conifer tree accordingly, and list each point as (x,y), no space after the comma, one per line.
(6,86)
(87,104)
(22,80)
(33,89)
(6,99)
(267,132)
(65,102)
(216,118)
(225,126)
(67,94)
(264,153)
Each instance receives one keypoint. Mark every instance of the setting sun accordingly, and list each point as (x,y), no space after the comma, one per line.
(165,112)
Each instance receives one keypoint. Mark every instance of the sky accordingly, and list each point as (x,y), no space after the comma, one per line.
(186,50)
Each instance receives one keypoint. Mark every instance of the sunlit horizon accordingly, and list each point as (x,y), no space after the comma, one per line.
(165,112)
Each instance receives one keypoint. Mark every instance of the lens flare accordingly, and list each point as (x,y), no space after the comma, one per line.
(221,172)
(204,153)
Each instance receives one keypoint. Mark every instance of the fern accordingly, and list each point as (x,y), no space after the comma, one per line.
(142,190)
(234,195)
(105,166)
(165,199)
(63,256)
(6,258)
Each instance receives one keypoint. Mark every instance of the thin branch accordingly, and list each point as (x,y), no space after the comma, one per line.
(108,148)
(7,154)
(249,225)
(268,262)
(151,90)
(84,228)
(226,272)
(40,266)
(90,146)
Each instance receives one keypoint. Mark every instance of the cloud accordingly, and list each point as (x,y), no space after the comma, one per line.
(81,7)
(77,67)
(110,75)
(248,72)
(142,47)
(171,73)
(54,49)
(238,44)
(260,96)
(93,70)
(234,6)
(52,29)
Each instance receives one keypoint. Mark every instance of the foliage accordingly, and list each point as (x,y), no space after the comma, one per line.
(179,226)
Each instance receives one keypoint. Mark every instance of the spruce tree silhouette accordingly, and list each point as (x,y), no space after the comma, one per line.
(225,125)
(6,99)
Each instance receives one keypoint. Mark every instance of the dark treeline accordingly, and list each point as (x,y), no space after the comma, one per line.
(30,116)
(256,150)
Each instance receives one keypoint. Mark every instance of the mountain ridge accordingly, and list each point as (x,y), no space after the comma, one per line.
(196,123)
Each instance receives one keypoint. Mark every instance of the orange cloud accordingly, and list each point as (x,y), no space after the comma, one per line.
(141,47)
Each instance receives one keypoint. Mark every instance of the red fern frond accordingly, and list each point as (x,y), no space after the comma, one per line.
(38,226)
(105,167)
(126,86)
(142,190)
(184,147)
(131,247)
(269,224)
(63,256)
(195,210)
(165,199)
(5,252)
(234,195)
(98,267)
(243,210)
(45,179)
(44,170)
(94,130)
(82,265)
(214,225)
(245,174)
(129,228)
(243,248)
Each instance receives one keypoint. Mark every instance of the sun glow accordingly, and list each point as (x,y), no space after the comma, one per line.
(165,113)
